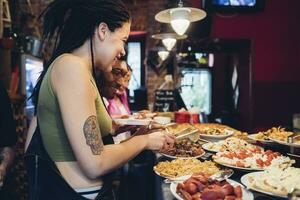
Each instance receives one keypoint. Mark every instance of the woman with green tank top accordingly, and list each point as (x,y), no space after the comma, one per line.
(72,120)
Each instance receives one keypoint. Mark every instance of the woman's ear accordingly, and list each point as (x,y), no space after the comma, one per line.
(102,31)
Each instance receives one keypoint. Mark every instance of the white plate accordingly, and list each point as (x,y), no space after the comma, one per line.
(176,179)
(245,181)
(215,138)
(240,168)
(252,137)
(286,143)
(247,195)
(175,157)
(205,147)
(136,122)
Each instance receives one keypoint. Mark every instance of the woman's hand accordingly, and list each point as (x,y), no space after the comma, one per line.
(157,141)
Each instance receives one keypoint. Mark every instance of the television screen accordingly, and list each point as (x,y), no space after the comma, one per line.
(196,89)
(235,2)
(31,68)
(231,6)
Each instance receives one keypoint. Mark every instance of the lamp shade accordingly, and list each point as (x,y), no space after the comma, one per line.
(169,43)
(180,17)
(163,54)
(168,39)
(180,25)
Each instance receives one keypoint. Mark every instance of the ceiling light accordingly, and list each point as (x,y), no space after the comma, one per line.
(169,39)
(169,43)
(180,17)
(163,54)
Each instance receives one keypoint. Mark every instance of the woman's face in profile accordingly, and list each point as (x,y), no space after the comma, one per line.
(111,48)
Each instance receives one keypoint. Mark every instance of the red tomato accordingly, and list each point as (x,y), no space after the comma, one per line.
(243,156)
(240,164)
(234,154)
(257,150)
(230,156)
(267,162)
(243,152)
(269,152)
(260,162)
(270,156)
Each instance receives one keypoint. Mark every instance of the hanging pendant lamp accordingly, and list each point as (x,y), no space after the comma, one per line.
(169,39)
(180,17)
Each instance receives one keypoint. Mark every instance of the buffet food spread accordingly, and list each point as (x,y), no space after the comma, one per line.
(272,172)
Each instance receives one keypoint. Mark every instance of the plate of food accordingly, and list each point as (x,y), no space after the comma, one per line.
(273,181)
(184,149)
(229,144)
(252,160)
(236,167)
(199,186)
(144,114)
(214,138)
(259,138)
(210,147)
(284,141)
(182,169)
(215,132)
(132,120)
(274,133)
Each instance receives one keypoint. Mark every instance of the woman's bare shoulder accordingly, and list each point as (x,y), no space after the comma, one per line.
(70,70)
(69,64)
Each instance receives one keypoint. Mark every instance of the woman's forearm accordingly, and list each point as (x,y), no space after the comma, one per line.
(116,155)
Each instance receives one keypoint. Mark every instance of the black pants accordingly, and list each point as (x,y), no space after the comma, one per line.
(45,180)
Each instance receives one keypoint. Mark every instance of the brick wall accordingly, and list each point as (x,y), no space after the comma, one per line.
(143,12)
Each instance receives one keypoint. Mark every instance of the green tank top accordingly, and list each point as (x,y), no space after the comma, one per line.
(51,124)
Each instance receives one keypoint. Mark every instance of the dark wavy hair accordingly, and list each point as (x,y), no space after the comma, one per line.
(73,22)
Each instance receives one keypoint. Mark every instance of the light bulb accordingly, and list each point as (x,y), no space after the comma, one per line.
(180,20)
(180,25)
(169,43)
(163,55)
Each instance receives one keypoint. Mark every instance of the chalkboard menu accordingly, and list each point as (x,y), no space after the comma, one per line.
(164,100)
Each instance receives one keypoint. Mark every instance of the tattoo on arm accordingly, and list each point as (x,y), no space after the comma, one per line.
(92,135)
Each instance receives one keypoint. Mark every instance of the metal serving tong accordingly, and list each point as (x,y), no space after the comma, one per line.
(193,135)
(221,176)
